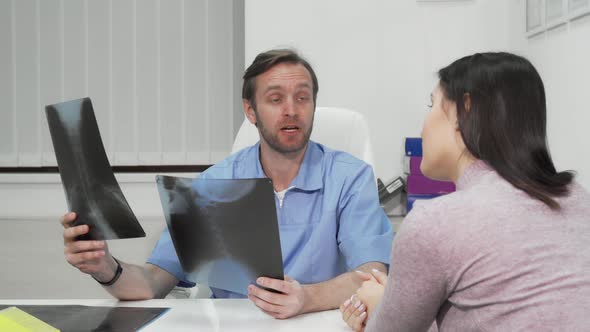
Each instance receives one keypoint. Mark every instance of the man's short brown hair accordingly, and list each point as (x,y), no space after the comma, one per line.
(264,62)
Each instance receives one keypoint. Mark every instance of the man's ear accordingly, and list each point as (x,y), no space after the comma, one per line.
(249,111)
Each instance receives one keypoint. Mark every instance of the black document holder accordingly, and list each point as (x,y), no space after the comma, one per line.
(224,230)
(88,180)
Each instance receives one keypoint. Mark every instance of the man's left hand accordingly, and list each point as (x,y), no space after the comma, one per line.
(280,306)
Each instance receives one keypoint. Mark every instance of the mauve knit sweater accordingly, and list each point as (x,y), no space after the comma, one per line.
(490,258)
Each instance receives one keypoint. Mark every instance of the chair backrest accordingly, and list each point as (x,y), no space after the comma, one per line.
(337,128)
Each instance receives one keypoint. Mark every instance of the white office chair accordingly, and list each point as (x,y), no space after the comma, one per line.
(337,128)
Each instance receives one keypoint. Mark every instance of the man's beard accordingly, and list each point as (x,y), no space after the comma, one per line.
(273,141)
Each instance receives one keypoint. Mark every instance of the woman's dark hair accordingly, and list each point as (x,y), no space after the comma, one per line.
(506,122)
(264,62)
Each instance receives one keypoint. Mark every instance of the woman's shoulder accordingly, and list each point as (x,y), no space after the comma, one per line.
(443,208)
(431,218)
(452,218)
(577,200)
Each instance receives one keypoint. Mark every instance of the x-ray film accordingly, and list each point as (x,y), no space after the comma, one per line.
(225,232)
(89,183)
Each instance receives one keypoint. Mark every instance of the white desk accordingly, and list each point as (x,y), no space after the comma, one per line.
(213,315)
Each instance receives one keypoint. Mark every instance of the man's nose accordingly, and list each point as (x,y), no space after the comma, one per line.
(289,108)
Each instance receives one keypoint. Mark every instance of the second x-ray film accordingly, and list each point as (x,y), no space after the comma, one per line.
(225,232)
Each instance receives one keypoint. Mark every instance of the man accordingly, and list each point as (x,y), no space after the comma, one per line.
(330,221)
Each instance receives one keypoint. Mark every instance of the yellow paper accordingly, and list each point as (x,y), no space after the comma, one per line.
(15,320)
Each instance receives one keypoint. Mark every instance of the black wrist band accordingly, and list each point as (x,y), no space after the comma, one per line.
(115,278)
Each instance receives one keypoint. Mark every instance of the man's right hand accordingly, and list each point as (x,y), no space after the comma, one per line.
(91,257)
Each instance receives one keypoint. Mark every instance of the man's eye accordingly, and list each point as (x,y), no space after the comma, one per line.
(275,100)
(303,98)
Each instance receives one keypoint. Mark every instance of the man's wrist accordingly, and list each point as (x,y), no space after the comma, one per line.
(110,274)
(308,299)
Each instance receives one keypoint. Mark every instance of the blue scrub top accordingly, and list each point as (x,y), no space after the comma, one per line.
(330,221)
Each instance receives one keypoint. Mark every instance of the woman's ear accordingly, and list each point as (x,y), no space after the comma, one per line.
(467,102)
(451,111)
(466,107)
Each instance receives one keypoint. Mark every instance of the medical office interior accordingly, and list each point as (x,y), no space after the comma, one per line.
(165,81)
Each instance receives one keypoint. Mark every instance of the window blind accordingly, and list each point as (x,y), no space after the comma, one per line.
(164,76)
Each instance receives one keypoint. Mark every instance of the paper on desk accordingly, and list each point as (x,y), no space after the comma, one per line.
(15,320)
(80,318)
(90,185)
(225,231)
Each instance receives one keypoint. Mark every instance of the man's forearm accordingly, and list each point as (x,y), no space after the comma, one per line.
(135,282)
(132,285)
(330,294)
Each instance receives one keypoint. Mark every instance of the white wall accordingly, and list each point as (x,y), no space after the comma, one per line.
(380,57)
(562,57)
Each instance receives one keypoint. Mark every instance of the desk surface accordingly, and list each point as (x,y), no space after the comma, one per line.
(212,315)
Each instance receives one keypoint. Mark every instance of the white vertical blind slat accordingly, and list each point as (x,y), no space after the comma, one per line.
(219,83)
(7,114)
(195,82)
(99,64)
(238,43)
(182,82)
(171,81)
(39,115)
(158,75)
(74,49)
(74,52)
(110,147)
(147,81)
(135,116)
(50,78)
(27,76)
(123,83)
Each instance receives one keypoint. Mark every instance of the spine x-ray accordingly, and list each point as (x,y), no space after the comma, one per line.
(89,183)
(225,231)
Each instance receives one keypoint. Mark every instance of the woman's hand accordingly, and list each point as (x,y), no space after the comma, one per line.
(354,313)
(360,305)
(372,290)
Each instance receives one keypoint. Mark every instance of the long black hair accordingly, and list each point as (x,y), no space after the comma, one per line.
(505,124)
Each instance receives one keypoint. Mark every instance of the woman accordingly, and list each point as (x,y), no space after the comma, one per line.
(510,249)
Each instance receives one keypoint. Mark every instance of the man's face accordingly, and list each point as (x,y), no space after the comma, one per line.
(284,107)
